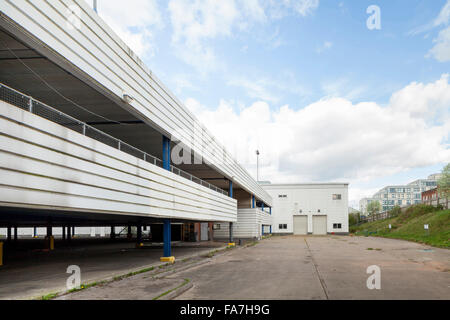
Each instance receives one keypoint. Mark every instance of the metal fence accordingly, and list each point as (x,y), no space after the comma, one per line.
(27,103)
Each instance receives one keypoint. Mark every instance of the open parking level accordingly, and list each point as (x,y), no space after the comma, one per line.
(32,272)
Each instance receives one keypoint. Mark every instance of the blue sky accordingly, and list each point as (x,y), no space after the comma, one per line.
(305,81)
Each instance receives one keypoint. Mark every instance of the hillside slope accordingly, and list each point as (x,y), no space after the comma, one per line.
(410,226)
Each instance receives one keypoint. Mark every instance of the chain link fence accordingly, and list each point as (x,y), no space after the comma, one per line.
(27,103)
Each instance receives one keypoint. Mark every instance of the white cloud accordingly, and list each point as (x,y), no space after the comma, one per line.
(430,102)
(278,9)
(302,7)
(444,15)
(334,139)
(325,46)
(269,89)
(195,23)
(133,24)
(441,50)
(342,87)
(199,20)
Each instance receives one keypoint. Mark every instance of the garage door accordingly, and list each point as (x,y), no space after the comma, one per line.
(300,224)
(319,224)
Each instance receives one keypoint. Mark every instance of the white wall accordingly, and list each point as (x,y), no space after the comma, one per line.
(47,166)
(309,198)
(248,226)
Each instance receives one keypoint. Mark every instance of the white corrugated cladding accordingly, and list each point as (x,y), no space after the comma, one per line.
(99,53)
(249,224)
(45,165)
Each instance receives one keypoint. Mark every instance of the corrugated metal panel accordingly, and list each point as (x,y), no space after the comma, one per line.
(249,224)
(44,164)
(97,52)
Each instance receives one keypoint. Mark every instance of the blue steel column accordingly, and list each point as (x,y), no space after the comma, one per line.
(167,227)
(270,212)
(253,201)
(230,193)
(167,234)
(166,153)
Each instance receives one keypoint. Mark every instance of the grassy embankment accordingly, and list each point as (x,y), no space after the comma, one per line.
(409,225)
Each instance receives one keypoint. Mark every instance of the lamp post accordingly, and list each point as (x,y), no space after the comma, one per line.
(257,165)
(94,5)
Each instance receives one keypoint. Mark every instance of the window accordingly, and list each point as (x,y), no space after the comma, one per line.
(216,226)
(337,197)
(282,196)
(337,225)
(282,226)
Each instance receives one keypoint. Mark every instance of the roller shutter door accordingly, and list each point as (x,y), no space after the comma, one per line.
(300,225)
(319,225)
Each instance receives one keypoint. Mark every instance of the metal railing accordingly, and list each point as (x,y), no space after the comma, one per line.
(32,105)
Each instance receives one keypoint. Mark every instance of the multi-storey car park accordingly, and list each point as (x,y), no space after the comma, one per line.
(87,132)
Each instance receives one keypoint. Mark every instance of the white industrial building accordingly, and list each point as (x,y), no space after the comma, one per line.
(309,208)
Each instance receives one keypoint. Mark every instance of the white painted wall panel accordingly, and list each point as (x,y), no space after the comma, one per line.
(308,199)
(249,224)
(43,164)
(98,54)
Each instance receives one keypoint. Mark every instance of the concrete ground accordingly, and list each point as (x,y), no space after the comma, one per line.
(281,267)
(332,267)
(30,272)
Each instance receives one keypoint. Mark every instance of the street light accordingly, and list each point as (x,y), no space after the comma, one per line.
(257,165)
(94,5)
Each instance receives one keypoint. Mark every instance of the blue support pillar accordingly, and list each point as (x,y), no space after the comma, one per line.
(253,201)
(230,228)
(167,229)
(270,229)
(270,210)
(167,234)
(166,153)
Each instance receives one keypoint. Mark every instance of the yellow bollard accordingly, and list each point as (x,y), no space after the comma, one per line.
(51,243)
(168,259)
(1,254)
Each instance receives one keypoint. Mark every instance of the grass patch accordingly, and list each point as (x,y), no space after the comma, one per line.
(409,225)
(49,296)
(185,282)
(252,244)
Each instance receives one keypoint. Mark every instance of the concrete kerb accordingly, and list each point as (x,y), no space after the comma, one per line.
(173,293)
(58,292)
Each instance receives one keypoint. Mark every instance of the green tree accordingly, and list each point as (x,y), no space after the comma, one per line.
(373,207)
(354,218)
(444,182)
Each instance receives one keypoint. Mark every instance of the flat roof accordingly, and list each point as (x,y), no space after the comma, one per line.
(305,184)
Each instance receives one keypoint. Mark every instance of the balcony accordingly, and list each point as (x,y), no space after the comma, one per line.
(52,160)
